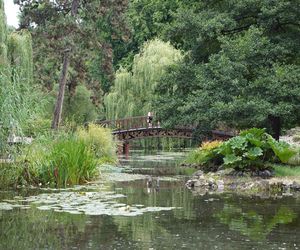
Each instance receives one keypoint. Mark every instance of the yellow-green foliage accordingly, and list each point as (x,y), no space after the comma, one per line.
(3,56)
(10,175)
(79,107)
(100,140)
(62,158)
(133,91)
(37,127)
(286,170)
(20,55)
(209,145)
(295,160)
(3,26)
(3,37)
(69,162)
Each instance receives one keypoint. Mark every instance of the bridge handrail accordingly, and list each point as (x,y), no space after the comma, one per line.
(122,119)
(130,123)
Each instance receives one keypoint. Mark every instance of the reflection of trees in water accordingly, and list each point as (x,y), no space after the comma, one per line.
(33,229)
(170,194)
(252,224)
(142,229)
(148,227)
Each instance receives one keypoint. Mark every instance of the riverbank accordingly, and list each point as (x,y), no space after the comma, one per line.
(227,181)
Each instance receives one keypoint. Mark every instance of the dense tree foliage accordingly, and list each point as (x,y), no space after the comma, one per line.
(19,97)
(147,20)
(133,91)
(242,69)
(80,33)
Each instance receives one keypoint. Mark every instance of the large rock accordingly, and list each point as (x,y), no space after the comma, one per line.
(295,186)
(198,173)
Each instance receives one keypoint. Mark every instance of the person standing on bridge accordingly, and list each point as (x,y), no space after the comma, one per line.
(150,119)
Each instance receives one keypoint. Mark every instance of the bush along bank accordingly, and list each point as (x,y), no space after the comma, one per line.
(61,159)
(253,156)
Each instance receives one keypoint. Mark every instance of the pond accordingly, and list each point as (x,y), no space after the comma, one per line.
(126,211)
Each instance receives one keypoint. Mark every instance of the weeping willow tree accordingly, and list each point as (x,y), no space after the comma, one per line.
(134,90)
(20,55)
(3,38)
(20,101)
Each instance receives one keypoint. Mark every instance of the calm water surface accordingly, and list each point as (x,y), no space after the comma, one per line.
(77,219)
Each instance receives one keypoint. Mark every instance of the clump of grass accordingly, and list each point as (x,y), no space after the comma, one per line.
(9,175)
(69,162)
(15,174)
(101,142)
(63,158)
(282,171)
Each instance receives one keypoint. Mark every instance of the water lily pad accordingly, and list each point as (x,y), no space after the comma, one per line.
(44,208)
(90,203)
(5,206)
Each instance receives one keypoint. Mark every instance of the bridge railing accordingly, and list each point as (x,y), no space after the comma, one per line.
(131,123)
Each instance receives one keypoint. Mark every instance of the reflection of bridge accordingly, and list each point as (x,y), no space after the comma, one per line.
(139,127)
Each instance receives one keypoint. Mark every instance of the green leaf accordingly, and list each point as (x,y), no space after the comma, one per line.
(281,149)
(224,148)
(231,159)
(254,153)
(256,141)
(238,142)
(256,132)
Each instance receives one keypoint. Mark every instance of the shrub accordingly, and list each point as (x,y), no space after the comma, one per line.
(206,156)
(9,175)
(37,127)
(209,145)
(251,150)
(100,140)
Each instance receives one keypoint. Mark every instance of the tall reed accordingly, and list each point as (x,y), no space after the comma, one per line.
(69,162)
(66,158)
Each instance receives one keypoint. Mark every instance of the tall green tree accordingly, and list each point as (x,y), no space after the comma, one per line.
(133,91)
(147,20)
(72,41)
(20,102)
(242,69)
(3,37)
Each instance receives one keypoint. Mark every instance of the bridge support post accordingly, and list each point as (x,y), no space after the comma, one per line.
(126,148)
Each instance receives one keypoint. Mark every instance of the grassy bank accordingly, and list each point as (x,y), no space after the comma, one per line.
(61,159)
(282,171)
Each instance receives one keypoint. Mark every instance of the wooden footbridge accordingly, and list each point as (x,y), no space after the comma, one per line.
(133,128)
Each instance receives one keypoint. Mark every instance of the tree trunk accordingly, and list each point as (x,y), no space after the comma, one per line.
(275,123)
(61,92)
(63,78)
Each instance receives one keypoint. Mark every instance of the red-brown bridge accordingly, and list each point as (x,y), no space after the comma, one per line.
(133,128)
